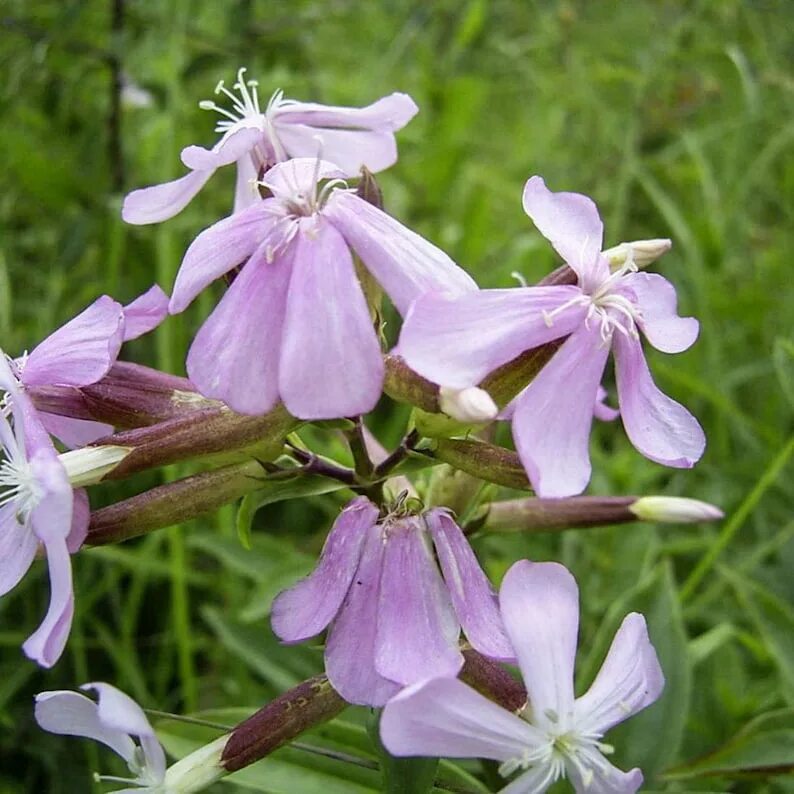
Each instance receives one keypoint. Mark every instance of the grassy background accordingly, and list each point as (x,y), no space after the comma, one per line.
(675,116)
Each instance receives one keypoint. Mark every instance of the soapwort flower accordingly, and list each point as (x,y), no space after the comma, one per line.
(295,324)
(37,507)
(393,618)
(256,139)
(82,351)
(457,342)
(556,735)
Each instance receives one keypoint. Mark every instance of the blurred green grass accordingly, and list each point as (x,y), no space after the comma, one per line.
(675,116)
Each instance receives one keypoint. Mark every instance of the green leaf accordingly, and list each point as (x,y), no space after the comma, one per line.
(650,740)
(764,746)
(245,516)
(783,359)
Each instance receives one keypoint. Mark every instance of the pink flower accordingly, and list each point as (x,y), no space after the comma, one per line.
(257,139)
(456,342)
(37,507)
(392,619)
(82,351)
(295,325)
(556,735)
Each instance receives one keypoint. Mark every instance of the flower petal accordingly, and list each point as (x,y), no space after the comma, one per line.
(331,363)
(540,608)
(607,779)
(571,223)
(445,717)
(74,433)
(457,341)
(602,411)
(391,113)
(307,607)
(472,596)
(660,323)
(230,148)
(145,313)
(46,644)
(218,249)
(17,548)
(72,714)
(660,428)
(405,264)
(630,679)
(161,202)
(553,416)
(81,514)
(235,354)
(350,647)
(246,191)
(418,632)
(79,352)
(299,176)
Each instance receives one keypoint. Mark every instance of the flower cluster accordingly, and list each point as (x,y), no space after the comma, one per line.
(298,338)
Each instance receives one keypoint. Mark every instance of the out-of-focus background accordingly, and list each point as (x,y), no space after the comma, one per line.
(676,117)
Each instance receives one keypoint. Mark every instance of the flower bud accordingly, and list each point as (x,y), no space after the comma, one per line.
(643,252)
(197,770)
(471,406)
(89,465)
(674,510)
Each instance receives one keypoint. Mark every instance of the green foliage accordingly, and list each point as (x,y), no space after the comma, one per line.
(675,117)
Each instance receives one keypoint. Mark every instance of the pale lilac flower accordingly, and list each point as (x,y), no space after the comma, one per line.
(37,507)
(458,342)
(82,351)
(392,619)
(555,735)
(256,139)
(295,325)
(115,721)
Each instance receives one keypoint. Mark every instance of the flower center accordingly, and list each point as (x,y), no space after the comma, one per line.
(18,484)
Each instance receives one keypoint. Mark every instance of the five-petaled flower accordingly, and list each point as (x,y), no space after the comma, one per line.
(115,720)
(257,139)
(393,619)
(457,342)
(37,507)
(295,324)
(556,735)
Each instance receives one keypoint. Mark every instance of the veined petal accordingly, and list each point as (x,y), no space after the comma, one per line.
(235,354)
(307,607)
(17,548)
(417,636)
(534,781)
(553,416)
(607,779)
(659,320)
(539,603)
(350,647)
(660,428)
(457,341)
(230,147)
(46,644)
(74,433)
(391,113)
(299,176)
(331,363)
(571,223)
(472,596)
(72,714)
(161,202)
(79,352)
(445,717)
(145,313)
(350,150)
(218,249)
(405,264)
(81,514)
(630,679)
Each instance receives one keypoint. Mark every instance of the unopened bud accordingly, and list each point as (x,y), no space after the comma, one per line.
(90,465)
(198,770)
(674,510)
(471,406)
(642,252)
